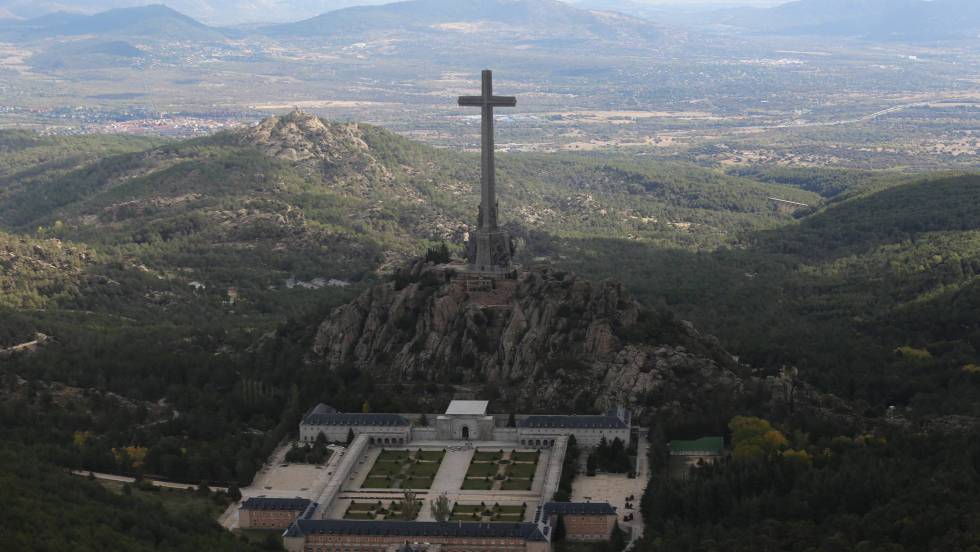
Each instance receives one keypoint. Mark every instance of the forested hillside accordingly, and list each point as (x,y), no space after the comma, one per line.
(181,284)
(164,274)
(44,508)
(871,297)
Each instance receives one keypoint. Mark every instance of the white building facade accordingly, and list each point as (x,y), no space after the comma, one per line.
(336,427)
(465,421)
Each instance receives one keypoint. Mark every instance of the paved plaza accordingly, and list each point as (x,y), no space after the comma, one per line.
(614,488)
(278,479)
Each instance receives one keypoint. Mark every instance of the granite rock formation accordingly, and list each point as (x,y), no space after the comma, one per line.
(562,343)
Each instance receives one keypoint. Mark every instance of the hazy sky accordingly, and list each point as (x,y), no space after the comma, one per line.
(697,3)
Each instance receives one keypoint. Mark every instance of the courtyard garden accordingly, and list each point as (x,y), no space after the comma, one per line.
(404,469)
(486,513)
(378,510)
(501,470)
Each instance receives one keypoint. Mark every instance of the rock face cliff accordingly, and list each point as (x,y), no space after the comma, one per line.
(560,343)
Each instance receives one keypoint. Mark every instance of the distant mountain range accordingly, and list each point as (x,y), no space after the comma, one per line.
(557,23)
(549,17)
(212,12)
(156,21)
(871,19)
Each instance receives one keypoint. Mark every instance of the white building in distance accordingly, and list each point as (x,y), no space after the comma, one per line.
(465,421)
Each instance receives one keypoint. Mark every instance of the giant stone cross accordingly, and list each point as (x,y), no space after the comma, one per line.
(492,251)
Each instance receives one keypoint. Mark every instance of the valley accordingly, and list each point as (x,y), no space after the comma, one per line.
(653,90)
(744,242)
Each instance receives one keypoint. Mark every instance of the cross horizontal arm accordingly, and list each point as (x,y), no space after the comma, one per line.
(494,101)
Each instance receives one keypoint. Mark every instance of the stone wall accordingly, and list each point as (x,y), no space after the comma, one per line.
(505,434)
(267,519)
(341,473)
(553,476)
(587,528)
(424,434)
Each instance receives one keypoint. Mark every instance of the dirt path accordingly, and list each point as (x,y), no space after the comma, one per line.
(154,482)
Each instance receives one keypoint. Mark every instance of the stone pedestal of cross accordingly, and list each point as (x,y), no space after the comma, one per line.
(489,246)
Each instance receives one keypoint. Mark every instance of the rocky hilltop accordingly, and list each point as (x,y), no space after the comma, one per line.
(561,342)
(298,137)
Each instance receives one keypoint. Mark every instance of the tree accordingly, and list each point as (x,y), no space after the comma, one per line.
(438,254)
(234,493)
(350,435)
(590,465)
(423,420)
(511,420)
(440,508)
(272,541)
(618,538)
(558,533)
(755,439)
(410,506)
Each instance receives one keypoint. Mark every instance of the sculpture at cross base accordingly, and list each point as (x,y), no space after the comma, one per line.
(490,247)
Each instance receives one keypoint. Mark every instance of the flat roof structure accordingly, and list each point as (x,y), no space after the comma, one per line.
(579,508)
(585,422)
(355,419)
(267,503)
(467,408)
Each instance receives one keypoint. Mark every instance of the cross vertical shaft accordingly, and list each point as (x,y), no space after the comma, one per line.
(492,246)
(488,169)
(488,181)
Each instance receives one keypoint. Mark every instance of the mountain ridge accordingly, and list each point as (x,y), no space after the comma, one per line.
(154,21)
(868,19)
(545,16)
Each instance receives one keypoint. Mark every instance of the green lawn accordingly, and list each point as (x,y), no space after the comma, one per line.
(385,468)
(521,470)
(481,470)
(404,469)
(477,485)
(486,456)
(525,456)
(465,512)
(431,455)
(393,455)
(509,510)
(516,485)
(378,483)
(374,510)
(424,469)
(466,508)
(417,483)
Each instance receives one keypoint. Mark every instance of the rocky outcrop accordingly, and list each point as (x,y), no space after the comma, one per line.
(339,149)
(562,343)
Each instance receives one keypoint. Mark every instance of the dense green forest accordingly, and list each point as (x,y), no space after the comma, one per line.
(44,508)
(181,285)
(801,486)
